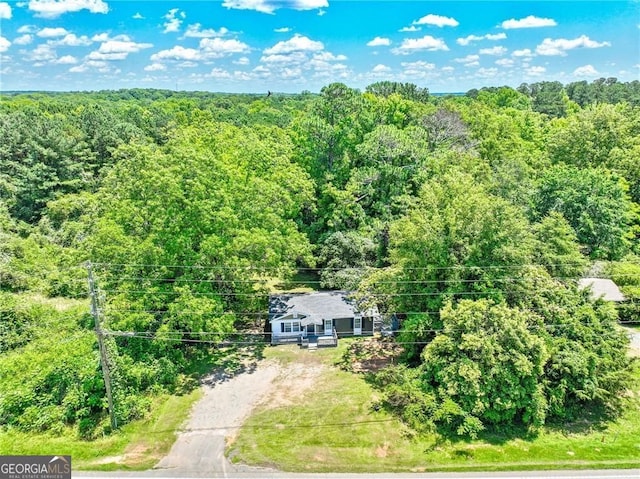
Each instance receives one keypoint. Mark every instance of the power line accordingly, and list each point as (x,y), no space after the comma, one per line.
(368,268)
(368,294)
(222,342)
(180,280)
(161,335)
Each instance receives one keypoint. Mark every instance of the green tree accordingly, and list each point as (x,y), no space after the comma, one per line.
(457,241)
(489,362)
(595,203)
(557,247)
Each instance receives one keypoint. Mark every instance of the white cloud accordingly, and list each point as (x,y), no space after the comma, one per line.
(291,73)
(27,29)
(242,61)
(5,11)
(173,22)
(422,65)
(505,62)
(526,53)
(52,32)
(419,69)
(137,16)
(55,8)
(486,72)
(100,37)
(380,68)
(467,40)
(437,20)
(25,39)
(111,56)
(4,44)
(528,22)
(116,50)
(270,6)
(493,51)
(99,65)
(309,4)
(105,37)
(195,31)
(469,60)
(379,42)
(71,40)
(282,30)
(535,71)
(219,73)
(448,69)
(155,67)
(585,71)
(66,60)
(496,36)
(475,38)
(262,6)
(329,57)
(218,48)
(293,57)
(41,53)
(119,46)
(410,45)
(559,47)
(177,53)
(296,43)
(412,28)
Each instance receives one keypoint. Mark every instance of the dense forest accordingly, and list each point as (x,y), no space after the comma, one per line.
(468,218)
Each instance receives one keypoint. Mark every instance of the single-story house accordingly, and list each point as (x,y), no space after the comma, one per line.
(602,288)
(317,317)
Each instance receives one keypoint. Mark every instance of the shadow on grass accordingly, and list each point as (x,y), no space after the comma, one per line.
(220,364)
(236,360)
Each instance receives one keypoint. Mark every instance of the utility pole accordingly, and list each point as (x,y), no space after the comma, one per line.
(95,312)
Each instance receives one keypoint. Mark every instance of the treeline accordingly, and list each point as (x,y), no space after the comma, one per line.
(468,217)
(555,99)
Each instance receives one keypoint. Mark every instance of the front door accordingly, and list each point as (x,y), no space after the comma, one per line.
(328,326)
(357,325)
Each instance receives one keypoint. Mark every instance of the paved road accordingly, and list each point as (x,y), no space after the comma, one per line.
(599,474)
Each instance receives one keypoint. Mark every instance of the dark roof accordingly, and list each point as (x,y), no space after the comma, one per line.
(314,307)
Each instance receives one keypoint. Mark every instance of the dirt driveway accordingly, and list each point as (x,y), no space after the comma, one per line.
(227,402)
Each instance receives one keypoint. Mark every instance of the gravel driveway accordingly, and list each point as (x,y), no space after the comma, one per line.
(199,448)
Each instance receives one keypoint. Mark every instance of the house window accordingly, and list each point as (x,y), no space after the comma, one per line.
(357,322)
(291,327)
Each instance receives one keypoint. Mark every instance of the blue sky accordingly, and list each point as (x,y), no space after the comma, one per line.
(295,45)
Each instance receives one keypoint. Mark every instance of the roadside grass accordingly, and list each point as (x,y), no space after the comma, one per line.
(337,428)
(136,446)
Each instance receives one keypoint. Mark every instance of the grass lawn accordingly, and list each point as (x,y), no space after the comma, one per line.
(336,429)
(137,446)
